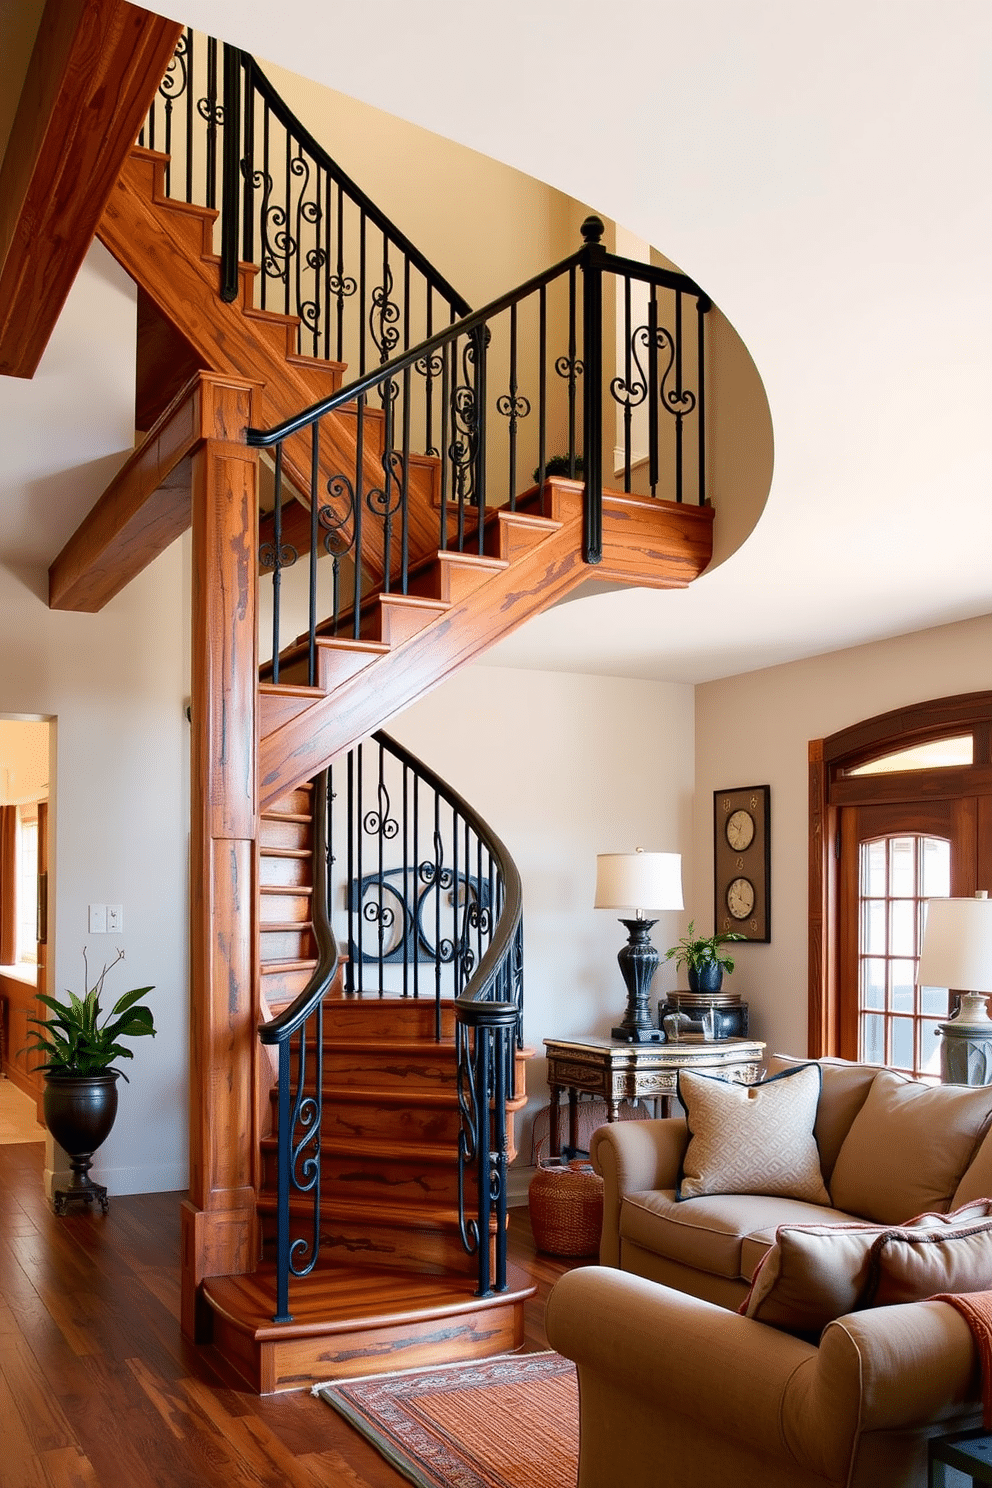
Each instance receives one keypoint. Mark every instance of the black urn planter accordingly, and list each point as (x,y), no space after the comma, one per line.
(79,1113)
(705,978)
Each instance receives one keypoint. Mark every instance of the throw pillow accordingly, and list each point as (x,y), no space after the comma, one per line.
(754,1139)
(904,1267)
(908,1147)
(816,1273)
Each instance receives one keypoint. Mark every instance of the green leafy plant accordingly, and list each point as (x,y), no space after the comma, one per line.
(695,952)
(561,465)
(74,1041)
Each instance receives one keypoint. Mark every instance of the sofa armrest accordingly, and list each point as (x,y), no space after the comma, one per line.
(649,1359)
(633,1157)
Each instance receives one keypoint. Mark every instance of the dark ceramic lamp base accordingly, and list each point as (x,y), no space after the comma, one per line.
(638,962)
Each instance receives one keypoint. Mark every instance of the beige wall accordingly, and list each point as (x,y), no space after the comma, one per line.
(564,767)
(754,729)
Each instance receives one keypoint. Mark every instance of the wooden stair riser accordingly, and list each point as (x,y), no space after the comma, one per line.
(284,906)
(280,944)
(368,1018)
(376,1238)
(281,986)
(368,1117)
(285,869)
(356,1321)
(275,833)
(381,1178)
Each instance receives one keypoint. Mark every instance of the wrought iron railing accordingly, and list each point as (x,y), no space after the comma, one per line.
(428,902)
(297,1034)
(325,252)
(413,457)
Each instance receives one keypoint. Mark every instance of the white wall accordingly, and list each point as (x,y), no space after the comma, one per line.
(754,729)
(564,767)
(114,685)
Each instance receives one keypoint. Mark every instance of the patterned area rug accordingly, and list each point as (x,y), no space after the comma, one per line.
(507,1422)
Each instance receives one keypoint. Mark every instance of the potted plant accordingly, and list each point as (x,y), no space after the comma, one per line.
(702,958)
(79,1044)
(562,465)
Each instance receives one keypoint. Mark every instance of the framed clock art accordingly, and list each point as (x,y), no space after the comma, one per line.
(742,862)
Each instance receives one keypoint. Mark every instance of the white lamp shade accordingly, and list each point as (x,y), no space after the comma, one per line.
(957,945)
(639,880)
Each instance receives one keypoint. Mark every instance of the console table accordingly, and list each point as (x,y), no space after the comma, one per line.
(618,1071)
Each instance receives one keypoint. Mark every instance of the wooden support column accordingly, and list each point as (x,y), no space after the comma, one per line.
(219,1235)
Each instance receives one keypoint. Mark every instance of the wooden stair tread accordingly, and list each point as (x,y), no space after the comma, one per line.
(307,964)
(343,1299)
(287,890)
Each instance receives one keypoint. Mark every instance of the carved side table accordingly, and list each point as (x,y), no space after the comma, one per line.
(616,1072)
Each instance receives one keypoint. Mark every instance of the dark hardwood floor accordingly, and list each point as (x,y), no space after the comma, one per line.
(97,1385)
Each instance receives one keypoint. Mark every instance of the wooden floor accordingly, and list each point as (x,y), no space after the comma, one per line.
(97,1386)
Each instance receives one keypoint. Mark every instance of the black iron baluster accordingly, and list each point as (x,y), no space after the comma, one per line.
(359,504)
(189,116)
(230,228)
(628,411)
(405,796)
(284,1141)
(350,828)
(429,448)
(678,396)
(405,489)
(653,409)
(447,380)
(362,276)
(248,182)
(314,523)
(264,208)
(592,339)
(513,407)
(702,306)
(207,108)
(481,345)
(277,555)
(572,372)
(542,422)
(359,855)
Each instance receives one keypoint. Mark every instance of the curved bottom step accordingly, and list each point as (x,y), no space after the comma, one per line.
(356,1320)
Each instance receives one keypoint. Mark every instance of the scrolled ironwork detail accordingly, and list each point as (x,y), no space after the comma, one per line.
(569,368)
(176,79)
(380,823)
(269,557)
(383,317)
(334,521)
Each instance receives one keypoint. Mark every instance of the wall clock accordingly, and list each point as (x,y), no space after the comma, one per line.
(742,862)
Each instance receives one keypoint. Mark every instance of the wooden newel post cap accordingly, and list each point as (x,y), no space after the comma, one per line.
(593,229)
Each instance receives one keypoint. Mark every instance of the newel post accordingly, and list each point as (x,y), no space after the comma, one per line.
(592,392)
(218,1219)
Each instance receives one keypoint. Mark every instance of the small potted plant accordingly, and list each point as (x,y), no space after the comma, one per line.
(79,1044)
(702,958)
(562,465)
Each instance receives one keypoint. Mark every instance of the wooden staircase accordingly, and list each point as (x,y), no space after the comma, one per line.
(395,1286)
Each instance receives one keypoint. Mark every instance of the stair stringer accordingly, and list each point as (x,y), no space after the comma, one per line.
(661,544)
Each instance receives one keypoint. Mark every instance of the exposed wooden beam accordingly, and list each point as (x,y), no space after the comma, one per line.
(93,74)
(147,504)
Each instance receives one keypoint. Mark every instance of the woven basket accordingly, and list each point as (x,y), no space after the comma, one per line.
(566,1209)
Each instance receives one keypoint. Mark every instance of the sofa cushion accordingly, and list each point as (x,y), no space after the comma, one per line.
(752,1139)
(908,1147)
(907,1267)
(844,1090)
(816,1273)
(722,1234)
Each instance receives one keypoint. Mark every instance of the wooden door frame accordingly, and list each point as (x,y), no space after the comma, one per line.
(829,790)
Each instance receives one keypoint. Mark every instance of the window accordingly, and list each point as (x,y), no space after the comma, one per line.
(897,1021)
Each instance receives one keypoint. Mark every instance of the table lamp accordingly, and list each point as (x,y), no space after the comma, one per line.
(957,954)
(643,882)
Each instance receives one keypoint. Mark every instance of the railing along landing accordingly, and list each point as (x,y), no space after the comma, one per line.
(473,419)
(428,902)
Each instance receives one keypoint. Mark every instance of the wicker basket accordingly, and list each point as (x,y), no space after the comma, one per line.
(566,1209)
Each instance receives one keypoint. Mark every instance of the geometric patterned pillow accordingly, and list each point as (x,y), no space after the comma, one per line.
(754,1139)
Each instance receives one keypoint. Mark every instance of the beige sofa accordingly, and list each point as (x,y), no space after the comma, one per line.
(677,1388)
(902,1159)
